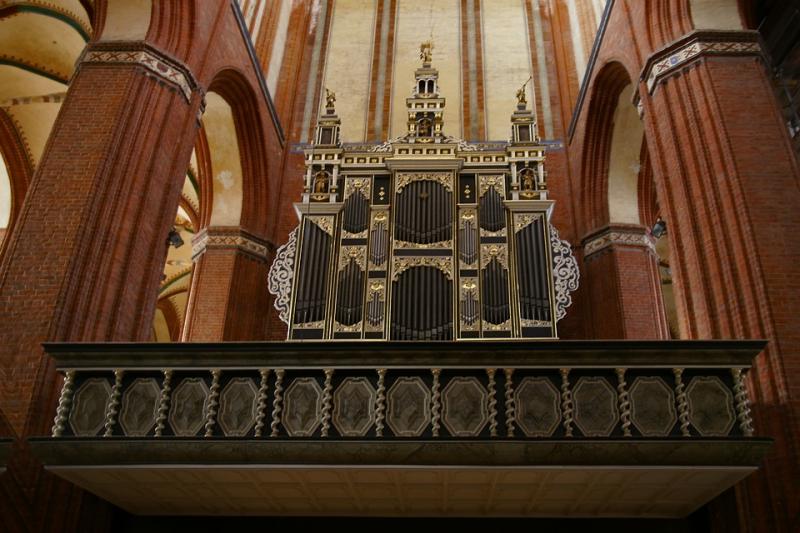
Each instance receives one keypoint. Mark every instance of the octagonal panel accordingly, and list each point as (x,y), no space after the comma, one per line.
(238,405)
(88,414)
(409,404)
(465,411)
(652,406)
(710,406)
(354,407)
(302,407)
(139,407)
(538,407)
(595,404)
(187,411)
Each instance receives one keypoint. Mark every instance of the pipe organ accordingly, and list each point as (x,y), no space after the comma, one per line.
(424,237)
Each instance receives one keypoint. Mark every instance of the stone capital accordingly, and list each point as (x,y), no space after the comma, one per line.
(152,60)
(672,58)
(629,235)
(231,238)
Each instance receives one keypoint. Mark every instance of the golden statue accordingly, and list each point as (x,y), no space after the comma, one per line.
(521,97)
(330,98)
(426,51)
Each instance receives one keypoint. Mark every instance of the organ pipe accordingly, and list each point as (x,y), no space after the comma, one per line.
(350,294)
(312,278)
(422,305)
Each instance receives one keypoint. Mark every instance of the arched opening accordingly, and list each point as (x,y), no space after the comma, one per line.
(221,219)
(5,199)
(620,253)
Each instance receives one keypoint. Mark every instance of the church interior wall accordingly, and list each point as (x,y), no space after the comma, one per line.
(246,154)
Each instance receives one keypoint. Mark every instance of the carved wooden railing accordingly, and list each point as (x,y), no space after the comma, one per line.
(424,391)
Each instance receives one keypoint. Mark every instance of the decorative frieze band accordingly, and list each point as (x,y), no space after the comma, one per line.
(618,236)
(695,45)
(233,239)
(167,69)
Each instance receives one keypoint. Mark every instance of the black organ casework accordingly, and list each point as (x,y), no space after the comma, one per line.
(425,237)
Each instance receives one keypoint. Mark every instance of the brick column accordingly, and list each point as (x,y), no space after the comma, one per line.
(228,299)
(623,284)
(728,185)
(85,258)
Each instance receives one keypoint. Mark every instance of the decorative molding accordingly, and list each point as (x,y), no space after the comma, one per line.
(167,69)
(618,236)
(281,275)
(694,46)
(233,239)
(566,275)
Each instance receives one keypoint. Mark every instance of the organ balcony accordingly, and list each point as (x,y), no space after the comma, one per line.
(358,428)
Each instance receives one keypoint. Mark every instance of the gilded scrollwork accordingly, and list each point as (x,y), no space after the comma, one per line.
(281,275)
(325,223)
(492,251)
(376,299)
(361,185)
(497,182)
(401,264)
(416,246)
(566,275)
(523,220)
(469,304)
(445,179)
(355,253)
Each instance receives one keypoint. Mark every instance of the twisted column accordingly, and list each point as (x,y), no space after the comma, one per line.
(624,403)
(213,403)
(113,403)
(509,402)
(163,403)
(566,402)
(683,404)
(261,412)
(64,402)
(276,402)
(436,402)
(380,403)
(492,403)
(742,403)
(326,402)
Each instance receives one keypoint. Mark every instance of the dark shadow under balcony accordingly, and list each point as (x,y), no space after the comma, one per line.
(555,428)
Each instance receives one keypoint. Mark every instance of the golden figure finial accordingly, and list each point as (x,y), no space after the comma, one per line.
(522,98)
(330,98)
(426,51)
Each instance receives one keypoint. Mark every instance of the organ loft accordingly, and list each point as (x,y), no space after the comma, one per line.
(426,236)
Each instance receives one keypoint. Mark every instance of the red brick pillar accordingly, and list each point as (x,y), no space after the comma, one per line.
(728,184)
(85,258)
(228,299)
(623,284)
